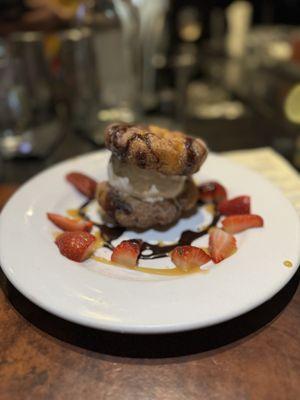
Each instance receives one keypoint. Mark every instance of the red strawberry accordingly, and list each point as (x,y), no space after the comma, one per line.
(238,205)
(127,253)
(239,223)
(221,244)
(68,224)
(188,257)
(77,246)
(212,191)
(83,183)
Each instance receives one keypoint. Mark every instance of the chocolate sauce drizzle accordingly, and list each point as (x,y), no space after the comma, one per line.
(111,233)
(190,155)
(108,233)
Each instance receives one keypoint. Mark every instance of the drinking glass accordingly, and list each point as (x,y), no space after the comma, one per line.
(115,26)
(29,126)
(80,82)
(14,112)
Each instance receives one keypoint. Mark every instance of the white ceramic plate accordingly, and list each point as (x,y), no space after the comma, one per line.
(118,299)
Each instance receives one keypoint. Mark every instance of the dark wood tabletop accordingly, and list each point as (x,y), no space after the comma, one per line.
(255,356)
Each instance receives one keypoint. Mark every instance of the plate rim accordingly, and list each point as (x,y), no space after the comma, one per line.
(123,328)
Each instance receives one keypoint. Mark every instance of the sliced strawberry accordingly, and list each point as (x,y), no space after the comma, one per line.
(188,257)
(239,223)
(77,246)
(212,191)
(83,183)
(68,224)
(238,205)
(221,244)
(127,253)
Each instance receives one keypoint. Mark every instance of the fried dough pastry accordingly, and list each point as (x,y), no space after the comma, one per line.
(155,148)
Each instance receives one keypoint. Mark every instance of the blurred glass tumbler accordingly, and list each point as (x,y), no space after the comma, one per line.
(115,26)
(29,126)
(80,82)
(154,36)
(101,68)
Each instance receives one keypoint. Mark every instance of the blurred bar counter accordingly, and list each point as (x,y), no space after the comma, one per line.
(251,131)
(232,102)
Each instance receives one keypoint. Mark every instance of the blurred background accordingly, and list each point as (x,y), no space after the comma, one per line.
(228,71)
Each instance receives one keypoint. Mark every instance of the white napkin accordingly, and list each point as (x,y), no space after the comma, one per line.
(272,166)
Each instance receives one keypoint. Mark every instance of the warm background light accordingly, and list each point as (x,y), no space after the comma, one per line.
(292,105)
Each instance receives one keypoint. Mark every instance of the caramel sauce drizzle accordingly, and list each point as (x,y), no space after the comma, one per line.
(288,263)
(153,271)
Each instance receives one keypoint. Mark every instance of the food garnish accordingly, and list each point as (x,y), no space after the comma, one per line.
(68,224)
(127,253)
(77,246)
(221,245)
(238,205)
(241,222)
(189,257)
(212,192)
(83,183)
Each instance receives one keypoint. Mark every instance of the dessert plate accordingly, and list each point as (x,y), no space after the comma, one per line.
(118,299)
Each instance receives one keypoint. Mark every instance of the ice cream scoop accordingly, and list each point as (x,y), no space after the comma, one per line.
(147,185)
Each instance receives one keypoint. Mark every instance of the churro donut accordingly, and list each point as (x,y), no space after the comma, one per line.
(155,148)
(131,212)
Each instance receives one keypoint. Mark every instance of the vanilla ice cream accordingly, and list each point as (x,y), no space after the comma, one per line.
(147,185)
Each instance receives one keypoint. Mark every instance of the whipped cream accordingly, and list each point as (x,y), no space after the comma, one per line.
(147,185)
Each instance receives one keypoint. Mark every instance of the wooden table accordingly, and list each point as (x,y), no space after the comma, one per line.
(256,356)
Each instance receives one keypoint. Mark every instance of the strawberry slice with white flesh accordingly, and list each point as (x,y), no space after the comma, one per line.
(68,224)
(127,253)
(221,244)
(189,257)
(77,246)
